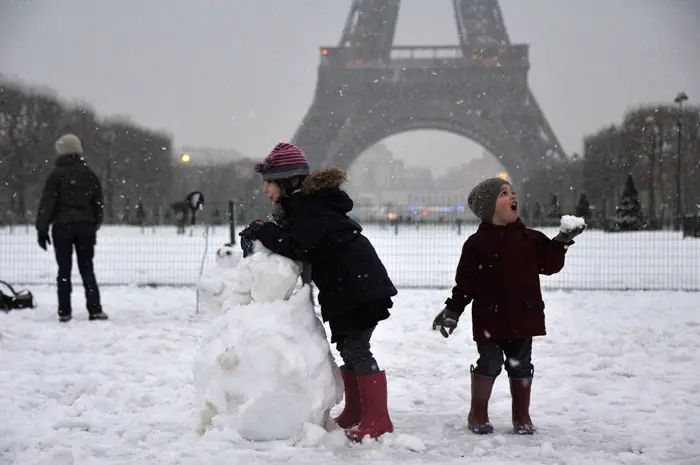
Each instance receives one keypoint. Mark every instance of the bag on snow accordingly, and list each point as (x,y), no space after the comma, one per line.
(13,300)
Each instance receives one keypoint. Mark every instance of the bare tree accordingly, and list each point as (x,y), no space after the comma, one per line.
(135,162)
(645,145)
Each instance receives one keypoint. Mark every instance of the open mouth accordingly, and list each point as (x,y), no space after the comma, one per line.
(514,206)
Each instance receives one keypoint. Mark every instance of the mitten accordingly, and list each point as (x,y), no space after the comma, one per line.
(446,320)
(43,239)
(567,236)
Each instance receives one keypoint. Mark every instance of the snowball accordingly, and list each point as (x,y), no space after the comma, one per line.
(312,435)
(569,223)
(264,367)
(409,442)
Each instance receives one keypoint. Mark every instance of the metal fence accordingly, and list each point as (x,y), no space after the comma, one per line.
(417,255)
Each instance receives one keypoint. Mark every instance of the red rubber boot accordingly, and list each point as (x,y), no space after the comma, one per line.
(520,391)
(352,412)
(375,414)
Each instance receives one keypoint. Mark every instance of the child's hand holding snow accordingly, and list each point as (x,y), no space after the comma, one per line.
(571,226)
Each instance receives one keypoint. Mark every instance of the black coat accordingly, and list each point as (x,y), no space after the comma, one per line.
(72,194)
(345,267)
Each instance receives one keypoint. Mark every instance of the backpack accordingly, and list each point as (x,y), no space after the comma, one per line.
(13,300)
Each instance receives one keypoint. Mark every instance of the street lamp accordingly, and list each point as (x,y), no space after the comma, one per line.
(110,136)
(679,100)
(650,120)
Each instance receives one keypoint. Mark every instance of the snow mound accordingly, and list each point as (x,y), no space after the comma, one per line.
(264,367)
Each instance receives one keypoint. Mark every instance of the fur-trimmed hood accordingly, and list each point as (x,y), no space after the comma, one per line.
(331,176)
(320,194)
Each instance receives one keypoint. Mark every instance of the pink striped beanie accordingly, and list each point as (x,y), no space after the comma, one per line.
(284,161)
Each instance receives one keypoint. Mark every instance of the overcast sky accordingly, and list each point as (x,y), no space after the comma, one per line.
(241,74)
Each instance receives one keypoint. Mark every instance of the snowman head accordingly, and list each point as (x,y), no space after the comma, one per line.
(227,256)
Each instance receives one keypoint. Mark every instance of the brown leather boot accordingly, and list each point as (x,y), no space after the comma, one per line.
(478,419)
(375,414)
(520,392)
(352,412)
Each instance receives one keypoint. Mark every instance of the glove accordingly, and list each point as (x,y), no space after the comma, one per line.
(568,236)
(247,246)
(43,239)
(248,237)
(446,320)
(250,230)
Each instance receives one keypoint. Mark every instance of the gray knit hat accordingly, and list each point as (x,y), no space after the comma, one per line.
(69,144)
(482,199)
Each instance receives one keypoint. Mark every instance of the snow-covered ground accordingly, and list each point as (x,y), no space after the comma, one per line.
(417,257)
(616,382)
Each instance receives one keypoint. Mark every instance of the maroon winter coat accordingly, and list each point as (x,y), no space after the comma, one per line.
(499,272)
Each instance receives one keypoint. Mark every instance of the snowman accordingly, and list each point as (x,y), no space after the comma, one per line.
(264,366)
(216,283)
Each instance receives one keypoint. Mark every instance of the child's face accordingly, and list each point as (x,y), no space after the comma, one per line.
(272,190)
(506,206)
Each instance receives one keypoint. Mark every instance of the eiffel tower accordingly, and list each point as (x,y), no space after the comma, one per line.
(369,89)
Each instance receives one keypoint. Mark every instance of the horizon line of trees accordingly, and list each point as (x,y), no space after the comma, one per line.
(137,164)
(133,162)
(644,146)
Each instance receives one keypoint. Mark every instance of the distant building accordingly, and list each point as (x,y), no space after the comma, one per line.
(378,178)
(220,174)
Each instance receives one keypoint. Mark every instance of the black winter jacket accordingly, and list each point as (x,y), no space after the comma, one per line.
(72,194)
(345,267)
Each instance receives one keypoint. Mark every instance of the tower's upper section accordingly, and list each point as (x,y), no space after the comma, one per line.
(368,39)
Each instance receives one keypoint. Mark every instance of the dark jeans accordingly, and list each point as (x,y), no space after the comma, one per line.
(82,237)
(515,353)
(354,345)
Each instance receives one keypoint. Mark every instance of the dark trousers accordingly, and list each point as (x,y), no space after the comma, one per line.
(306,279)
(354,348)
(516,354)
(81,237)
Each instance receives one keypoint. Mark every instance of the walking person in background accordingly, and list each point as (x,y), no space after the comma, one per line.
(354,288)
(499,272)
(72,204)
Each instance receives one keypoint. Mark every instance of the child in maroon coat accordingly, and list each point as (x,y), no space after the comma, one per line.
(499,273)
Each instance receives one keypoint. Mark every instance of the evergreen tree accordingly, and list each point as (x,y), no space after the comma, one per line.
(583,208)
(537,214)
(554,207)
(629,212)
(525,214)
